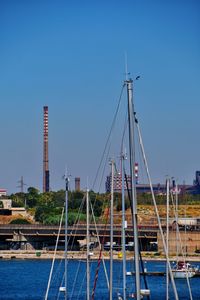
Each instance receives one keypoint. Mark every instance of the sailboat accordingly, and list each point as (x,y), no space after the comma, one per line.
(138,293)
(181,269)
(63,289)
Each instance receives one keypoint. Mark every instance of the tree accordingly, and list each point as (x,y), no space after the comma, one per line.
(32,197)
(17,199)
(58,198)
(46,198)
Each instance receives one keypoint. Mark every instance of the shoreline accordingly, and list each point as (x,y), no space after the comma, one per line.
(80,255)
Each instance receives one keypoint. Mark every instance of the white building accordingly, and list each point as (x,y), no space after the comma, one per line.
(3,192)
(7,203)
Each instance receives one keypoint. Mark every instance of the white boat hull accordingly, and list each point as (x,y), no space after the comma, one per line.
(183,274)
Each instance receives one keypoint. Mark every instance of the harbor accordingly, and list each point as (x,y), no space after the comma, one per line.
(20,280)
(99,156)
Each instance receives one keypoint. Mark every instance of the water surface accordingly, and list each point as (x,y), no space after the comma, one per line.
(27,280)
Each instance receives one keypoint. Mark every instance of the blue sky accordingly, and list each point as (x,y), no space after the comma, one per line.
(69,55)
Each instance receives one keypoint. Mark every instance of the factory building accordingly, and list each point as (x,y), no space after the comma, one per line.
(145,188)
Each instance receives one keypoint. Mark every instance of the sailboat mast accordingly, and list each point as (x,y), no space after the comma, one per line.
(176,207)
(129,84)
(111,229)
(66,225)
(88,246)
(123,229)
(167,241)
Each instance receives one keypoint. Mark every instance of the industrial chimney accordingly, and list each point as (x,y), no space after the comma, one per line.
(77,184)
(45,151)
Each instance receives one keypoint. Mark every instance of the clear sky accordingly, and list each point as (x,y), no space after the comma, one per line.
(69,55)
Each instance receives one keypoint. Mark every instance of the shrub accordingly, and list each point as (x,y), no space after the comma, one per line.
(20,221)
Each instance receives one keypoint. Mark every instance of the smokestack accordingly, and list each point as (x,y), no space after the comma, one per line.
(77,184)
(45,151)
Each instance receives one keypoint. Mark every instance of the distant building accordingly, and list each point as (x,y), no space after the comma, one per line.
(195,188)
(158,188)
(3,192)
(141,188)
(18,211)
(77,184)
(118,181)
(7,203)
(197,179)
(7,208)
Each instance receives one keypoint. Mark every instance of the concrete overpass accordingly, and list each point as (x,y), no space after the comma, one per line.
(37,236)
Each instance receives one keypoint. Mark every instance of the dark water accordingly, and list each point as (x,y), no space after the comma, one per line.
(27,280)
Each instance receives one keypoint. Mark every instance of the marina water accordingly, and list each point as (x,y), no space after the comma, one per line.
(27,280)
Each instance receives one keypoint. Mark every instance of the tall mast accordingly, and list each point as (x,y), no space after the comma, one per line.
(176,207)
(123,229)
(111,229)
(88,246)
(66,225)
(129,84)
(167,241)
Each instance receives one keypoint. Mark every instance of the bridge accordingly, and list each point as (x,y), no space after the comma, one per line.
(38,236)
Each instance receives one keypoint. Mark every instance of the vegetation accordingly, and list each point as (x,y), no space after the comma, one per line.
(20,221)
(47,207)
(183,199)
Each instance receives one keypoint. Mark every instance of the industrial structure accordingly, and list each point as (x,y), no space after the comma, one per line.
(21,184)
(145,188)
(118,181)
(77,184)
(195,188)
(45,151)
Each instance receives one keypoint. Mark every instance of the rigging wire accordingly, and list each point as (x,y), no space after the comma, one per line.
(79,265)
(76,222)
(142,171)
(100,256)
(76,228)
(141,261)
(54,256)
(109,136)
(104,167)
(181,246)
(81,286)
(106,149)
(156,209)
(101,244)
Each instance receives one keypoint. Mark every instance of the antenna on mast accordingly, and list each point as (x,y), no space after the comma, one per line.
(126,66)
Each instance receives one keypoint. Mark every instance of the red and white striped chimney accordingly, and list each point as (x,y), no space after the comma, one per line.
(45,151)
